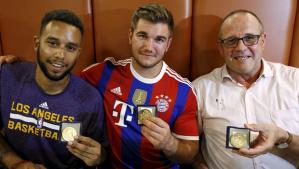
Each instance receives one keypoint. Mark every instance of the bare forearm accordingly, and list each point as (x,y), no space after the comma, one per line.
(294,146)
(199,161)
(184,151)
(291,153)
(7,155)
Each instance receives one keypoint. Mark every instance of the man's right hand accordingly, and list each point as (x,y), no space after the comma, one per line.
(8,59)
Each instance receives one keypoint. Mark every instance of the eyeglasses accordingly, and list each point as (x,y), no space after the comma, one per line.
(248,40)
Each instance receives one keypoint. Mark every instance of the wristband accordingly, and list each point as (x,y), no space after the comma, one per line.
(286,143)
(290,138)
(15,165)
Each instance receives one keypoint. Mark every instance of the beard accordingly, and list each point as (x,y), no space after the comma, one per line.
(45,71)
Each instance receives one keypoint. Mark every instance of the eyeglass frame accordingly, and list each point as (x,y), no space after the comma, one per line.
(238,39)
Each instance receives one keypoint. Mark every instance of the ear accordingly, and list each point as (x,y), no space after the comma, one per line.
(220,49)
(131,31)
(263,40)
(168,43)
(36,42)
(79,52)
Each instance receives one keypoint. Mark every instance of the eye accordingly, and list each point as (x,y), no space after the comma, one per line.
(160,40)
(249,38)
(71,48)
(141,36)
(230,41)
(52,43)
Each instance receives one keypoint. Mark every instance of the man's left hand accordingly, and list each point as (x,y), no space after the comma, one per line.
(268,136)
(87,149)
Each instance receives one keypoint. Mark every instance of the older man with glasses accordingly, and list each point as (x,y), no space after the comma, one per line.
(247,90)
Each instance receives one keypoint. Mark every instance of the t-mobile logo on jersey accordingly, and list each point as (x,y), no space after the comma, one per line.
(122,113)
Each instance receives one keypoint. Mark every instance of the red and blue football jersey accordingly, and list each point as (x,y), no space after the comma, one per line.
(123,89)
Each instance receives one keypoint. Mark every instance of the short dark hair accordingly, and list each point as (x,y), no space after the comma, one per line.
(62,15)
(240,11)
(154,13)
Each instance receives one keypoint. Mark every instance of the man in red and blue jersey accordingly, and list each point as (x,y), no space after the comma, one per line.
(145,81)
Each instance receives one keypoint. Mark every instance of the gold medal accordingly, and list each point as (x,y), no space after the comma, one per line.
(69,133)
(238,140)
(144,114)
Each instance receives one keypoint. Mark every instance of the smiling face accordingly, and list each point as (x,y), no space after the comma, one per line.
(57,49)
(149,42)
(242,59)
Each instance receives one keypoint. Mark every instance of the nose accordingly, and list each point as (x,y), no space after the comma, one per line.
(60,53)
(240,45)
(149,44)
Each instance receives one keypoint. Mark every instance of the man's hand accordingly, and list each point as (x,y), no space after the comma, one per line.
(269,134)
(8,59)
(88,150)
(158,133)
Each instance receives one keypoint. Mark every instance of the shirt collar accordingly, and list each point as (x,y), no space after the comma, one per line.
(266,72)
(148,80)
